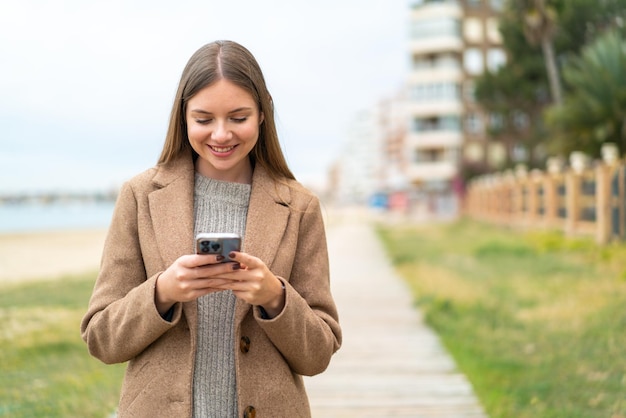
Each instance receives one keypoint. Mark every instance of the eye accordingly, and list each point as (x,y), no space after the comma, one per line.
(203,121)
(240,120)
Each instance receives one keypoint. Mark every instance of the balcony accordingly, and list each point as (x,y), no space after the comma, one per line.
(429,8)
(432,171)
(443,139)
(436,45)
(436,107)
(434,74)
(436,27)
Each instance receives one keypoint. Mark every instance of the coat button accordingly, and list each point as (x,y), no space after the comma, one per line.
(244,345)
(249,412)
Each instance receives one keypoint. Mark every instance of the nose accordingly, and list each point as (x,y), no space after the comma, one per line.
(221,132)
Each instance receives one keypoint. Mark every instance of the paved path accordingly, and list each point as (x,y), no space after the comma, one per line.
(391,364)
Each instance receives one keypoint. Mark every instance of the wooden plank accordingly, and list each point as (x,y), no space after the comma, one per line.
(391,364)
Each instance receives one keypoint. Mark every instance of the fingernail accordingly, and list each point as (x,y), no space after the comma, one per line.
(231,255)
(219,257)
(236,266)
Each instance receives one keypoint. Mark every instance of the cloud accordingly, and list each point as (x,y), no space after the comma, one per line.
(105,73)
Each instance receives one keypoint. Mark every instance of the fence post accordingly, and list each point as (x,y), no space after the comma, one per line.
(509,201)
(533,204)
(621,199)
(572,196)
(549,195)
(603,215)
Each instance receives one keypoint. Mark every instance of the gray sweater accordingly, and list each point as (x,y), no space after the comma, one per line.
(219,207)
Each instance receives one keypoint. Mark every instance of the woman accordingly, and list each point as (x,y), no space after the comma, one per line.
(204,337)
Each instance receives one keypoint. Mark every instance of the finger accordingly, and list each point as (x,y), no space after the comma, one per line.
(196,260)
(204,286)
(201,260)
(245,259)
(216,283)
(215,270)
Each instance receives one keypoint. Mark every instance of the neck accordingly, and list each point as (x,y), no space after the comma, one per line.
(240,174)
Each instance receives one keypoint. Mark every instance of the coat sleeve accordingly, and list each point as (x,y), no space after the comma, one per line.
(122,319)
(307,331)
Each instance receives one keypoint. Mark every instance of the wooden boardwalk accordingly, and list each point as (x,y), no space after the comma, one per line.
(391,364)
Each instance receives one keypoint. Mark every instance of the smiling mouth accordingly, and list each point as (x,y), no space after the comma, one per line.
(222,150)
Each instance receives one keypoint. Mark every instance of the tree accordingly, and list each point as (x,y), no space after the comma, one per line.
(595,110)
(518,88)
(539,28)
(522,86)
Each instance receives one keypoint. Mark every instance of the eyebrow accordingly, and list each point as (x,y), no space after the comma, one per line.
(239,109)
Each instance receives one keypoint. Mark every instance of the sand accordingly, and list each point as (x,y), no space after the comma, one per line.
(49,255)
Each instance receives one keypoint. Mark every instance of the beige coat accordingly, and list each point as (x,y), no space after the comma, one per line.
(152,226)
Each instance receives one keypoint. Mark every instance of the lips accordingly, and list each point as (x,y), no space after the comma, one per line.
(222,150)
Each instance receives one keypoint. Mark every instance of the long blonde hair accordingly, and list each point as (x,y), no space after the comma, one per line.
(230,61)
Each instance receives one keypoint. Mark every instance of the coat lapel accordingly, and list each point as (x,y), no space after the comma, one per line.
(171,209)
(268,214)
(172,213)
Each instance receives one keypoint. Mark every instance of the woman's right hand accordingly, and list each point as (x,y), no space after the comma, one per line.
(188,278)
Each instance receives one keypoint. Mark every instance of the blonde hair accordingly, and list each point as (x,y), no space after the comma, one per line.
(230,61)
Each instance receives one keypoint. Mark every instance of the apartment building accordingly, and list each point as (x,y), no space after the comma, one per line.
(451,42)
(357,175)
(418,142)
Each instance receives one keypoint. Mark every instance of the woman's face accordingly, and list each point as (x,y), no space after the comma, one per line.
(223,126)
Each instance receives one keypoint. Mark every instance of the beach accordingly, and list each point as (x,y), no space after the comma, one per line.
(49,255)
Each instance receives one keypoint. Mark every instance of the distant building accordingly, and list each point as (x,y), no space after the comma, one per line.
(482,52)
(372,161)
(357,174)
(451,42)
(409,152)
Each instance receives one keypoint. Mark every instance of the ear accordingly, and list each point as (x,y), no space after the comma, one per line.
(261,118)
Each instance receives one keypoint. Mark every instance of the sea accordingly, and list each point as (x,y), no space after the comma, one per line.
(58,216)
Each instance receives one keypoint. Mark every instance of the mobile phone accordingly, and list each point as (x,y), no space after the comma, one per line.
(218,243)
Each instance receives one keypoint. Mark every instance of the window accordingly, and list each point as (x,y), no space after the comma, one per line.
(496,58)
(519,153)
(421,63)
(435,91)
(469,91)
(473,30)
(497,5)
(446,60)
(493,31)
(443,123)
(473,124)
(496,154)
(496,122)
(473,61)
(473,153)
(431,28)
(419,3)
(429,155)
(520,120)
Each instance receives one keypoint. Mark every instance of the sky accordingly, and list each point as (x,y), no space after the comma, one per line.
(86,87)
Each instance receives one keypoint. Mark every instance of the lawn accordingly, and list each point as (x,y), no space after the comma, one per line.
(46,370)
(537,321)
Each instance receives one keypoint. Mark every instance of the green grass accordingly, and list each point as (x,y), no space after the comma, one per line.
(535,320)
(46,370)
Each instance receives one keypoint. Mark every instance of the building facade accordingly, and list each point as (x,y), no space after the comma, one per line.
(451,43)
(411,151)
(356,176)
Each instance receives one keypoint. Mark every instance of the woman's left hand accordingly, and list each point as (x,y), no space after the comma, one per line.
(255,284)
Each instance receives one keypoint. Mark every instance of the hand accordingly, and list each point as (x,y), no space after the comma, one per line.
(254,283)
(188,278)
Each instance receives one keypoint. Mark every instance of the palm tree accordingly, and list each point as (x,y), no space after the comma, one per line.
(595,111)
(539,28)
